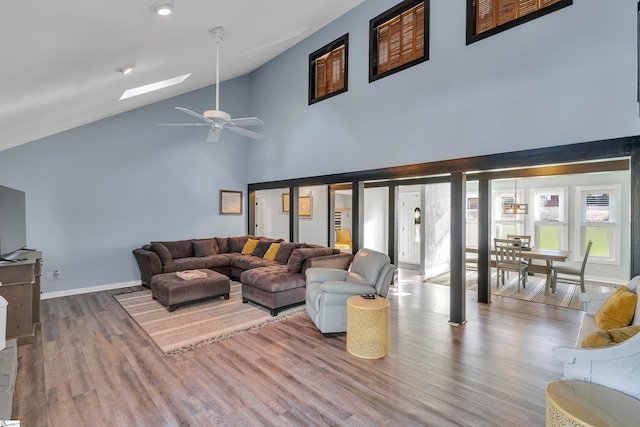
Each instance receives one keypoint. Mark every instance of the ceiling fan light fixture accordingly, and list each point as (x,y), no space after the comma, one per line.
(163,8)
(125,69)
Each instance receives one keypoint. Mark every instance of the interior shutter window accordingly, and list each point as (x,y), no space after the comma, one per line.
(399,37)
(328,70)
(491,14)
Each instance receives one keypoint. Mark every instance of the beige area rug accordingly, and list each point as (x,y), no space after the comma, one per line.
(195,325)
(566,294)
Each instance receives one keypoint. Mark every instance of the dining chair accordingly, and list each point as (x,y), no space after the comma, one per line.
(564,269)
(509,258)
(525,242)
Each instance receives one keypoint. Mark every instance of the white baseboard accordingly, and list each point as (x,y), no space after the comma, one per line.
(48,295)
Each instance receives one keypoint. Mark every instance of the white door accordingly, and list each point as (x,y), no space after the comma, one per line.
(261,215)
(409,236)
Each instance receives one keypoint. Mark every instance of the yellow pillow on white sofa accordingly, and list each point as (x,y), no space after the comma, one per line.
(618,310)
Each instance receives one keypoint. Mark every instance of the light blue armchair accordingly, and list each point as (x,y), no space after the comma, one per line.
(328,289)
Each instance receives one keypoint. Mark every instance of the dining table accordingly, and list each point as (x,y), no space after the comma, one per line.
(546,255)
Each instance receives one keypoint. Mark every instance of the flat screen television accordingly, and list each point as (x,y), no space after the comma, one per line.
(13,222)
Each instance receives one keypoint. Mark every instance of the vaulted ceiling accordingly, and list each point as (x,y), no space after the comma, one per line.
(59,59)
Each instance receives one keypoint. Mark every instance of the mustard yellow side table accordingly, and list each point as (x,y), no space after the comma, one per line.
(579,403)
(368,327)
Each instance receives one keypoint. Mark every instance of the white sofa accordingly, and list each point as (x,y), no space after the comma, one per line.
(616,366)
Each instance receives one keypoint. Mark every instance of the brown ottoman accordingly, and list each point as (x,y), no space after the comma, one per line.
(173,291)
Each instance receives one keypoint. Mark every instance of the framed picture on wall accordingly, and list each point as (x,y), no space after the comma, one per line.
(304,206)
(230,202)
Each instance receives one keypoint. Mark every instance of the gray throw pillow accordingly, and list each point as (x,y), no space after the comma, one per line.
(223,245)
(162,251)
(205,247)
(284,252)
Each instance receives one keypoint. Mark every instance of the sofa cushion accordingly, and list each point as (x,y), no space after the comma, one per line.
(244,261)
(284,251)
(299,255)
(162,251)
(271,252)
(261,262)
(609,337)
(223,245)
(204,247)
(213,261)
(237,243)
(262,246)
(180,248)
(249,246)
(188,263)
(618,310)
(274,278)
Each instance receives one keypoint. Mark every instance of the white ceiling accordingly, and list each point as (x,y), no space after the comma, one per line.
(59,58)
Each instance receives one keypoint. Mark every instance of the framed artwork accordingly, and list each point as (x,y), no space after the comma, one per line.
(304,206)
(230,202)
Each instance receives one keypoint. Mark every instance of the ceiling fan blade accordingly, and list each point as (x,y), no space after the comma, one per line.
(244,132)
(214,135)
(194,114)
(246,121)
(183,124)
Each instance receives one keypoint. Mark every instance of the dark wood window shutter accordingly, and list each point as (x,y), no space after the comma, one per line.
(328,70)
(490,14)
(400,39)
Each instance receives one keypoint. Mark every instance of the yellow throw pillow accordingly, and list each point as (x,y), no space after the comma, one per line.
(249,246)
(272,251)
(343,236)
(612,336)
(618,310)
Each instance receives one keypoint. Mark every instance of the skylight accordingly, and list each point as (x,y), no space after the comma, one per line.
(129,93)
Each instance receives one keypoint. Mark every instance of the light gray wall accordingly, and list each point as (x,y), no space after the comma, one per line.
(564,78)
(376,219)
(277,220)
(315,229)
(96,192)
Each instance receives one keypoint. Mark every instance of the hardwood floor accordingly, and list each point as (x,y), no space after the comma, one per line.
(91,365)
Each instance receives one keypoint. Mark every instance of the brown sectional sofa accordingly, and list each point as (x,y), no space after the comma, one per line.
(275,284)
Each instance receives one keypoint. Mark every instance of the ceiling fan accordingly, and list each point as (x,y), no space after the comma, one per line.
(217,119)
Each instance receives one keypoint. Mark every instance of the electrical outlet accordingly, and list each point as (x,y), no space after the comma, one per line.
(56,274)
(50,275)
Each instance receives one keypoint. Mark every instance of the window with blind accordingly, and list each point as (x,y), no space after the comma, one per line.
(550,210)
(398,38)
(328,70)
(488,17)
(506,223)
(598,220)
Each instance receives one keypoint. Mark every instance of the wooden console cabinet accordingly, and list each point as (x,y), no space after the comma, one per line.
(21,288)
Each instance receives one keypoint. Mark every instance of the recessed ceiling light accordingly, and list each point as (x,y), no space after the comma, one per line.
(129,93)
(162,8)
(125,69)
